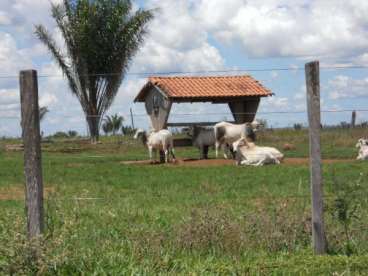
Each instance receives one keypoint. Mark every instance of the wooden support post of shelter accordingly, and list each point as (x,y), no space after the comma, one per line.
(314,118)
(32,152)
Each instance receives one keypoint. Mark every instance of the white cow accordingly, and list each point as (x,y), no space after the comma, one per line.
(227,133)
(248,153)
(363,149)
(202,138)
(157,140)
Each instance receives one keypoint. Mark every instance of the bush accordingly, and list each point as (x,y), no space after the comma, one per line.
(128,130)
(298,126)
(60,134)
(72,133)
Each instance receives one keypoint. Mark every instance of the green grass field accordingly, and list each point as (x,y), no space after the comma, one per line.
(157,219)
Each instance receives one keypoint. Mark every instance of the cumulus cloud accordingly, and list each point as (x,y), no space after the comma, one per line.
(290,28)
(270,104)
(5,18)
(342,86)
(176,41)
(11,57)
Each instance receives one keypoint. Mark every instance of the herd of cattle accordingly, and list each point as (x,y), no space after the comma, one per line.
(235,140)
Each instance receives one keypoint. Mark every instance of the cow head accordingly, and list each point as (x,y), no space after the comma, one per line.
(362,142)
(187,131)
(255,125)
(239,143)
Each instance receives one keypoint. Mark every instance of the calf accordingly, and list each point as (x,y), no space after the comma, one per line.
(157,140)
(248,153)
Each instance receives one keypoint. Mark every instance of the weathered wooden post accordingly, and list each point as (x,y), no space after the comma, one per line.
(314,118)
(353,119)
(32,152)
(131,117)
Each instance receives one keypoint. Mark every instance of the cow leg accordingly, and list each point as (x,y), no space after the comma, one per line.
(162,156)
(150,153)
(166,155)
(200,152)
(232,152)
(245,162)
(277,161)
(172,150)
(259,163)
(217,146)
(225,148)
(205,152)
(154,155)
(238,158)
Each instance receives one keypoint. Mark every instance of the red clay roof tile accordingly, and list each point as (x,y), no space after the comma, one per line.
(206,87)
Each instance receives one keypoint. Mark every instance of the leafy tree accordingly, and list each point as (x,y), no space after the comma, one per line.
(106,127)
(72,133)
(112,124)
(101,38)
(128,130)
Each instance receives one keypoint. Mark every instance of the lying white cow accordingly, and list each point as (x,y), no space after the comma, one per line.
(156,141)
(202,138)
(227,133)
(248,153)
(363,149)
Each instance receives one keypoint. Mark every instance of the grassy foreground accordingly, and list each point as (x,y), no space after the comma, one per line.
(184,220)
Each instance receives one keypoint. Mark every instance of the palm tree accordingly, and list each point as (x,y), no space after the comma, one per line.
(106,127)
(113,123)
(101,38)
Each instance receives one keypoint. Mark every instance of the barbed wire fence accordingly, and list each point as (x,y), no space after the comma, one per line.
(291,115)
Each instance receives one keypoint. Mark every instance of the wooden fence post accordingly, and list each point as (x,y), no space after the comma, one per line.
(353,119)
(314,118)
(132,118)
(32,152)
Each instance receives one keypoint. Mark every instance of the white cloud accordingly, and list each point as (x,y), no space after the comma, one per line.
(11,58)
(47,99)
(5,18)
(270,104)
(325,29)
(8,96)
(176,41)
(342,86)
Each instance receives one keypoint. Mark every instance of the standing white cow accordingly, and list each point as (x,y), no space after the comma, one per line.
(248,153)
(227,133)
(156,141)
(363,149)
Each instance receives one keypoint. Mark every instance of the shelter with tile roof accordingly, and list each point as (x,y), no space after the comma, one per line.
(241,93)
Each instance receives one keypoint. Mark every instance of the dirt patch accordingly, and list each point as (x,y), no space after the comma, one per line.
(17,193)
(305,161)
(223,162)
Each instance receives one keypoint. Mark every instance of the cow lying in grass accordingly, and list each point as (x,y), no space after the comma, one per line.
(363,149)
(248,153)
(227,133)
(156,141)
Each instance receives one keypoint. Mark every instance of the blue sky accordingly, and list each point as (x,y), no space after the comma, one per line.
(202,35)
